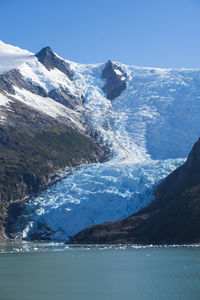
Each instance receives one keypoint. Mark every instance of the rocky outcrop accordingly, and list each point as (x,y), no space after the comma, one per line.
(14,78)
(115,80)
(64,97)
(173,217)
(48,58)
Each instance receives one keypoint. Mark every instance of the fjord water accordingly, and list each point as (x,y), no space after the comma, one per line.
(89,273)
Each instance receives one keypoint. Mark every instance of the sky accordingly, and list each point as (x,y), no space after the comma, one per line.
(154,33)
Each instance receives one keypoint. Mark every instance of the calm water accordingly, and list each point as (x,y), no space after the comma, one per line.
(55,272)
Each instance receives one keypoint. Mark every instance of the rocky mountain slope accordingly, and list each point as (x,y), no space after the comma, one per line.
(173,217)
(41,131)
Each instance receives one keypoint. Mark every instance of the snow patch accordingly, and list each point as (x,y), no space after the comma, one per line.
(48,106)
(118,72)
(37,74)
(4,100)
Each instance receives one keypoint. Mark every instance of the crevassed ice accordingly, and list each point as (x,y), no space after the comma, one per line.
(96,194)
(150,129)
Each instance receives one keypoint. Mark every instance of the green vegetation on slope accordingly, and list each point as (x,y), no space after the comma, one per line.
(28,159)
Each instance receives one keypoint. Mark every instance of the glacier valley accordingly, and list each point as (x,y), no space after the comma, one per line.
(149,128)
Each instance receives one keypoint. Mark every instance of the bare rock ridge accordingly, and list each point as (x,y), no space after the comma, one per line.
(15,78)
(173,217)
(64,97)
(115,80)
(47,57)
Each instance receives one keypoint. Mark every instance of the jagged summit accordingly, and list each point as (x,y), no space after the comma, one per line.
(109,64)
(44,53)
(115,80)
(50,60)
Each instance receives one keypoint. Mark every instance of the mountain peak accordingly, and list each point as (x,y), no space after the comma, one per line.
(44,52)
(50,60)
(115,80)
(109,63)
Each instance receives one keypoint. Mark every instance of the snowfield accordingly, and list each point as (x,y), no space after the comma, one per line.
(150,129)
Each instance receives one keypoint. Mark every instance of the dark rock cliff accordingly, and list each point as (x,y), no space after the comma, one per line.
(115,80)
(173,217)
(47,57)
(64,97)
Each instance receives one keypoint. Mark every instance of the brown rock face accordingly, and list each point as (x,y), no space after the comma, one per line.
(173,217)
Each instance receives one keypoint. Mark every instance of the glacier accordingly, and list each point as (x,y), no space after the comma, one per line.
(92,195)
(150,128)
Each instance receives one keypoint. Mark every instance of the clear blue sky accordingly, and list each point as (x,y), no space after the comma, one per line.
(158,33)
